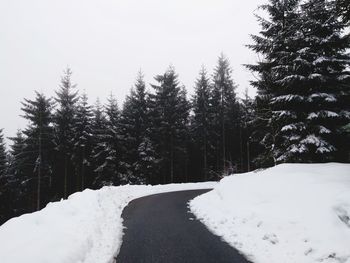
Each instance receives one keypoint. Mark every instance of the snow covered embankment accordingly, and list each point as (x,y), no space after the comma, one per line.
(290,213)
(85,228)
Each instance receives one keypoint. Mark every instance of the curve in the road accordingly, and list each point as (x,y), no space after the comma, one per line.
(160,228)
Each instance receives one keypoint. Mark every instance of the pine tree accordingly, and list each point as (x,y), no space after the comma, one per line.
(224,118)
(112,165)
(38,151)
(133,125)
(277,44)
(303,81)
(4,187)
(100,151)
(325,81)
(200,125)
(83,143)
(19,157)
(145,166)
(3,155)
(17,191)
(247,120)
(169,130)
(66,98)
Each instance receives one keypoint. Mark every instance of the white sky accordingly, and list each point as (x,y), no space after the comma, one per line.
(106,42)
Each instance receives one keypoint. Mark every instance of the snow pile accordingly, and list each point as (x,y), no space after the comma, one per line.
(289,213)
(85,228)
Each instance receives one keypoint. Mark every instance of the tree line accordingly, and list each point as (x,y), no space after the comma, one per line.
(159,135)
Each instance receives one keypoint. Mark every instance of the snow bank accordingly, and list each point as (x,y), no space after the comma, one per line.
(290,213)
(85,228)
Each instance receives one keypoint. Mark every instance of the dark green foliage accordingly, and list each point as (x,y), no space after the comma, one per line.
(3,155)
(277,42)
(303,82)
(17,192)
(224,116)
(82,147)
(343,9)
(99,152)
(300,114)
(38,150)
(169,111)
(5,205)
(133,126)
(66,98)
(248,147)
(200,123)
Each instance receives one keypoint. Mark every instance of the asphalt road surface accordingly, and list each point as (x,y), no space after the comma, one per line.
(160,228)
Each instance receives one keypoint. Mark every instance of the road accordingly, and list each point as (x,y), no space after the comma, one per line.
(160,228)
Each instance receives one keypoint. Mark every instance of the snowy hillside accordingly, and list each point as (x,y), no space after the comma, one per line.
(296,213)
(85,228)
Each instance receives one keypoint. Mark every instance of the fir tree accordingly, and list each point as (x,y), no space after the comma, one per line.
(112,165)
(82,143)
(169,130)
(247,119)
(5,205)
(303,81)
(38,151)
(145,166)
(277,43)
(3,155)
(133,125)
(18,192)
(224,118)
(200,125)
(99,152)
(325,81)
(66,98)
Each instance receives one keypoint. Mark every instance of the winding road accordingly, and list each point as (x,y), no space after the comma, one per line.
(160,228)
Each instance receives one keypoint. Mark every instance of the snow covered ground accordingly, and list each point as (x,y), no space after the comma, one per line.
(85,228)
(296,213)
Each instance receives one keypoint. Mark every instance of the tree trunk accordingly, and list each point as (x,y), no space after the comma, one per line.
(65,176)
(39,172)
(205,159)
(83,171)
(248,156)
(172,159)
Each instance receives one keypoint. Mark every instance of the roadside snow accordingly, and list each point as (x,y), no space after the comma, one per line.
(296,213)
(86,228)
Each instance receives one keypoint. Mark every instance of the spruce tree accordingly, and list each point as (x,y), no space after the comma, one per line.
(247,126)
(3,155)
(83,143)
(303,81)
(276,105)
(169,130)
(99,152)
(324,83)
(224,113)
(4,186)
(200,125)
(133,125)
(145,166)
(17,188)
(112,165)
(38,151)
(66,98)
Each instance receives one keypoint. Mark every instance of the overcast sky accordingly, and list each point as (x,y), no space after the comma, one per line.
(106,42)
